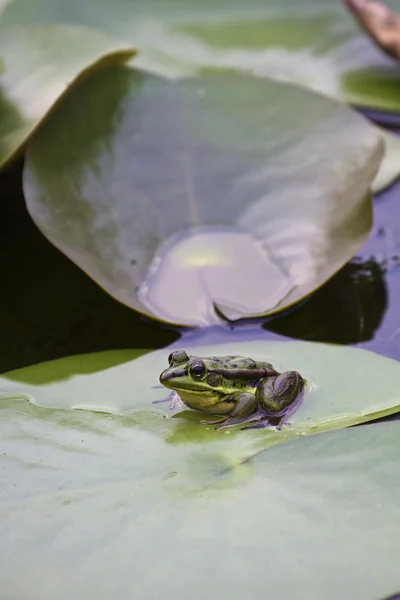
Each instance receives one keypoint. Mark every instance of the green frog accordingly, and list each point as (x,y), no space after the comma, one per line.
(239,388)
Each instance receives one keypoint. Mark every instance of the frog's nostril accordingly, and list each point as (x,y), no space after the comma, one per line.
(169,374)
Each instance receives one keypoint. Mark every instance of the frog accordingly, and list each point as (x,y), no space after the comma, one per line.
(237,389)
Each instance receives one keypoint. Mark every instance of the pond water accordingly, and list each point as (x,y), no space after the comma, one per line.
(360,305)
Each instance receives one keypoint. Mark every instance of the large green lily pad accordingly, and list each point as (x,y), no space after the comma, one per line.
(98,505)
(172,189)
(3,4)
(316,43)
(345,386)
(38,64)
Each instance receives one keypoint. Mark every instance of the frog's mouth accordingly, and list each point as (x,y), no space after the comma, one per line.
(176,380)
(202,399)
(167,376)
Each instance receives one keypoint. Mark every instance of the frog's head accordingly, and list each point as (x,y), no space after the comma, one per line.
(202,383)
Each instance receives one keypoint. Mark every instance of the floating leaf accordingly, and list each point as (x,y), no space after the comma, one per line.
(165,193)
(37,65)
(389,169)
(97,506)
(342,386)
(314,43)
(3,4)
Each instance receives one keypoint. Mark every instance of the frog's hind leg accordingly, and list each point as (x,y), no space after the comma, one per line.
(279,395)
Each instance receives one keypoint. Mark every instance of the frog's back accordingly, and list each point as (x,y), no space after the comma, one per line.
(236,365)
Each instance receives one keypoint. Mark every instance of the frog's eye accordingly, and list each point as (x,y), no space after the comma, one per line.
(179,356)
(197,370)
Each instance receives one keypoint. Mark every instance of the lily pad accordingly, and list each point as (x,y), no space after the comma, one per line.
(38,64)
(315,43)
(96,505)
(3,4)
(341,389)
(389,169)
(142,196)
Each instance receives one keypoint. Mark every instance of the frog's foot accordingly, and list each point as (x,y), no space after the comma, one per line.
(213,422)
(224,422)
(231,421)
(266,421)
(167,399)
(173,399)
(260,423)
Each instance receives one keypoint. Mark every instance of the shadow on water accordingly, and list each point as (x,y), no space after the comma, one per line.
(348,309)
(49,308)
(359,306)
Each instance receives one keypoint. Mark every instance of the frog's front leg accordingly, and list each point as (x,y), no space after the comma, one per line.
(246,405)
(172,398)
(277,396)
